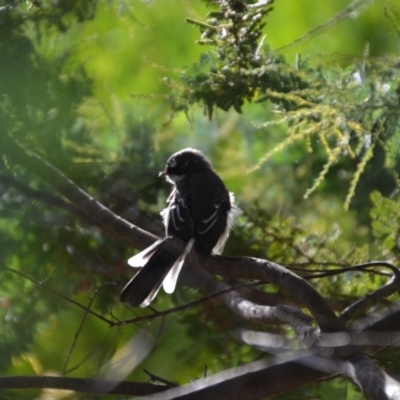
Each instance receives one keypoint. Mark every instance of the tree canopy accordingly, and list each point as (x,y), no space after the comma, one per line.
(296,104)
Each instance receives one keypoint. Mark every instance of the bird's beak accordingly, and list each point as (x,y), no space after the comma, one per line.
(162,174)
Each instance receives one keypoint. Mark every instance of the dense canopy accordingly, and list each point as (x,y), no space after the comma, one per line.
(296,104)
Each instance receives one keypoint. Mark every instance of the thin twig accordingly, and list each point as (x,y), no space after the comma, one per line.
(155,378)
(298,267)
(109,322)
(80,327)
(194,303)
(358,267)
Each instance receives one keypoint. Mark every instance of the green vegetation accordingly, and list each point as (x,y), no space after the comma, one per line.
(306,133)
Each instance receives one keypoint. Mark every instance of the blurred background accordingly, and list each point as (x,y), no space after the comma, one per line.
(89,87)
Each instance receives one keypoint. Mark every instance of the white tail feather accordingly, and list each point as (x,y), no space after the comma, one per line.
(140,259)
(150,297)
(170,280)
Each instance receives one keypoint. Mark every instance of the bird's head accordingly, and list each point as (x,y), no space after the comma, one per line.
(184,162)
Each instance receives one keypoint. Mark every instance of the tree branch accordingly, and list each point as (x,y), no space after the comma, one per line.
(264,270)
(252,378)
(371,299)
(238,267)
(94,210)
(81,385)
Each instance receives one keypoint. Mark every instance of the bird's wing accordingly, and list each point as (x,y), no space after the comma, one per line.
(213,224)
(180,225)
(233,214)
(177,218)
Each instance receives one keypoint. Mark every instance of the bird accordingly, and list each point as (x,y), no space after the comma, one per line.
(200,214)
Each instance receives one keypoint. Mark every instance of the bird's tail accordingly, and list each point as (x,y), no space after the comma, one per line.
(162,263)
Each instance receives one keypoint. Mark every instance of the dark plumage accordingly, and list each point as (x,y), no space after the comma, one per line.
(200,213)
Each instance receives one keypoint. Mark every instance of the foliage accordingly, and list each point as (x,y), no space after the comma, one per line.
(76,90)
(385,225)
(238,68)
(346,111)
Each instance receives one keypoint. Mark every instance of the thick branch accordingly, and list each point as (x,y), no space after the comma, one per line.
(80,385)
(94,210)
(387,323)
(258,380)
(44,197)
(248,310)
(238,267)
(303,293)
